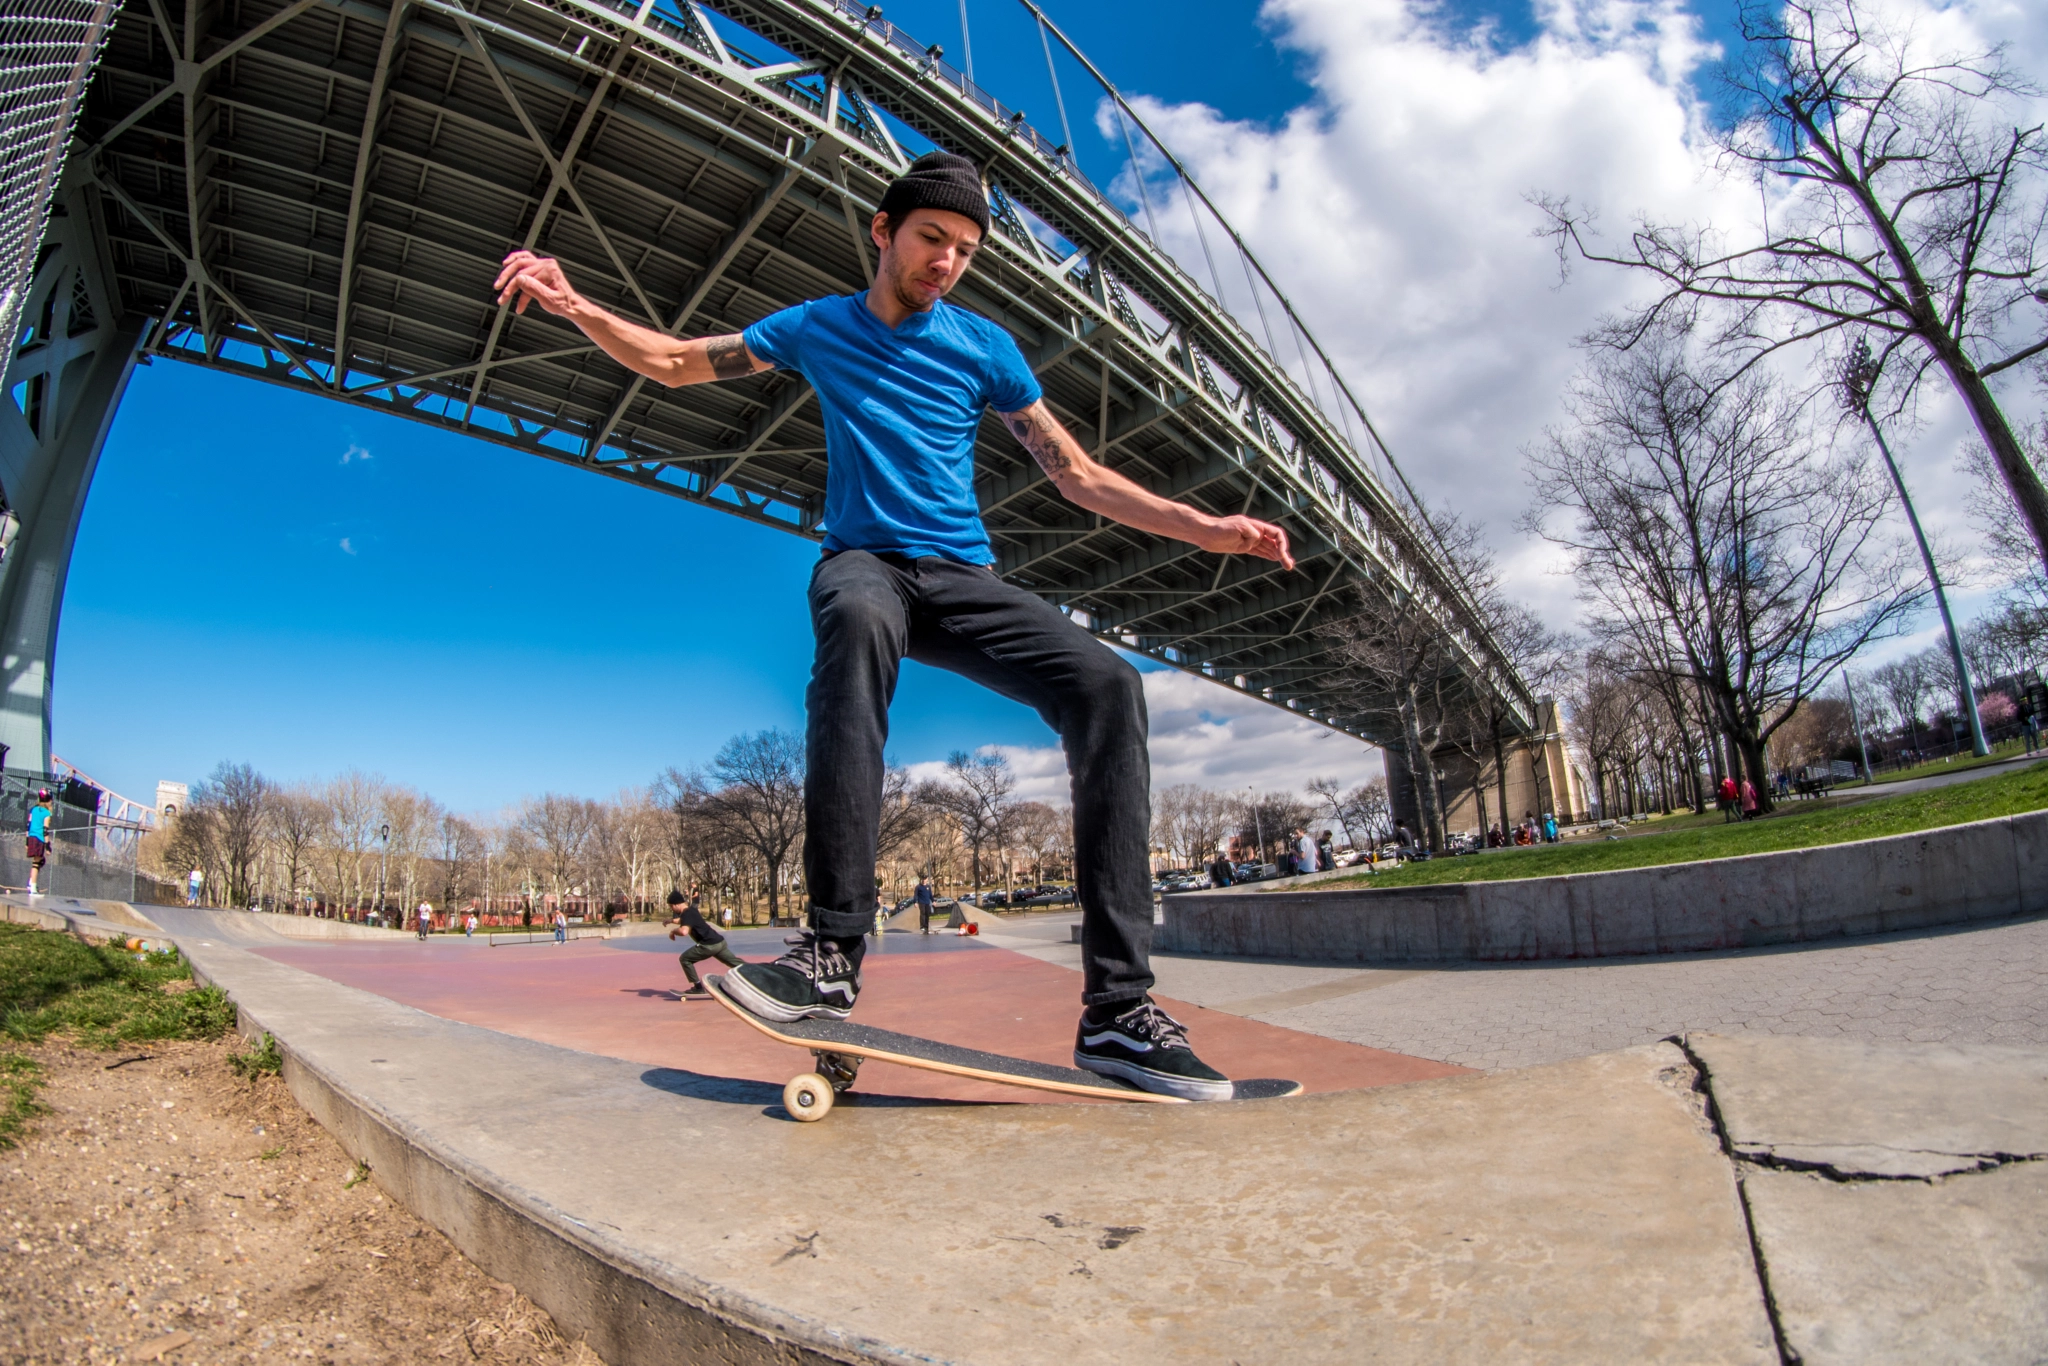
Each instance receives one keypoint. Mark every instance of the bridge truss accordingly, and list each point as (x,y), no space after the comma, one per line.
(317,193)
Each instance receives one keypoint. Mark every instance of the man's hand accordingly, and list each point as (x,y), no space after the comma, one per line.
(530,279)
(1247,536)
(1086,482)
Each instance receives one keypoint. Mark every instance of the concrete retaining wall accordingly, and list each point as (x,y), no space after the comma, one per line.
(1955,875)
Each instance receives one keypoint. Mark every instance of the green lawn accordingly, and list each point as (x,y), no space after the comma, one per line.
(1795,826)
(100,996)
(2011,749)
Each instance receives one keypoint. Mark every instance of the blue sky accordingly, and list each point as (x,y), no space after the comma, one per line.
(309,587)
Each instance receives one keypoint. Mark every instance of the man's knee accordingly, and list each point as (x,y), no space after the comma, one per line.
(1114,689)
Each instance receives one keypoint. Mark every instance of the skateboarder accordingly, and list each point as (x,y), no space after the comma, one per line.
(924,905)
(706,942)
(902,380)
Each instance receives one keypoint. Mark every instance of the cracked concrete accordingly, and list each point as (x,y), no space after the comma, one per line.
(1850,1108)
(1895,1194)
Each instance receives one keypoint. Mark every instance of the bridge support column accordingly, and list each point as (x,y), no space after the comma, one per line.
(65,374)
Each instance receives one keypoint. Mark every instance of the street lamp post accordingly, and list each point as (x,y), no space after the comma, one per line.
(1857,377)
(383,862)
(1857,721)
(1258,820)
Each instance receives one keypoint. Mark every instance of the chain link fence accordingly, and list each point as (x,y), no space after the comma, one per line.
(90,855)
(47,52)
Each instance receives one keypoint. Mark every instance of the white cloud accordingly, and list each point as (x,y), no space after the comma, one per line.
(355,452)
(346,548)
(1205,734)
(1393,211)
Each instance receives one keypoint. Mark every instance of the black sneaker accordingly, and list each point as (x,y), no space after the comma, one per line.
(815,979)
(1148,1048)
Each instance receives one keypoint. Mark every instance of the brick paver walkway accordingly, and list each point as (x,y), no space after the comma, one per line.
(1968,986)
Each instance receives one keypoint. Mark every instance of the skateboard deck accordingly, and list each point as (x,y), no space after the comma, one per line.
(838,1046)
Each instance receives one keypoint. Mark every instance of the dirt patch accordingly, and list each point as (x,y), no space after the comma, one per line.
(166,1208)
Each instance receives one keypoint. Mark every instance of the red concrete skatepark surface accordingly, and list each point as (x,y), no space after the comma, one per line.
(600,999)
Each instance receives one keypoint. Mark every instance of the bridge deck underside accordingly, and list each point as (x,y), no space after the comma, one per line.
(325,205)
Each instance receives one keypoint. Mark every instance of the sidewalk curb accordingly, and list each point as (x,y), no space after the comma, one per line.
(629,1311)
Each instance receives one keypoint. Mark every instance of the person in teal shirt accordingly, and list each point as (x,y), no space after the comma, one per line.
(38,839)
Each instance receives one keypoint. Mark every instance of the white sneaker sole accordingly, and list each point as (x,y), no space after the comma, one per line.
(757,1002)
(1160,1083)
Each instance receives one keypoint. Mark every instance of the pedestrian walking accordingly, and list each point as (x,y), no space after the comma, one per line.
(39,842)
(1748,800)
(1306,855)
(686,917)
(1549,828)
(469,926)
(1326,852)
(924,904)
(1221,873)
(1729,801)
(561,926)
(2033,729)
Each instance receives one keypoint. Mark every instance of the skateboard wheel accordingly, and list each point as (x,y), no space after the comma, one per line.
(808,1098)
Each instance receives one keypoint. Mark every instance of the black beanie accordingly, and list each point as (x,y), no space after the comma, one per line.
(938,180)
(676,898)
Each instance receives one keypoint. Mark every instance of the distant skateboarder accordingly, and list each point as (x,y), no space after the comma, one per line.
(902,380)
(706,942)
(924,905)
(38,839)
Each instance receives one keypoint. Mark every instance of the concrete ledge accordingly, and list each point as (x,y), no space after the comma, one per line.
(1580,1212)
(95,920)
(1954,875)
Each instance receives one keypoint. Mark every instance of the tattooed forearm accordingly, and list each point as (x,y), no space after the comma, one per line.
(1036,432)
(729,357)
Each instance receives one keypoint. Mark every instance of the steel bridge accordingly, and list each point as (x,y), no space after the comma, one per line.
(317,193)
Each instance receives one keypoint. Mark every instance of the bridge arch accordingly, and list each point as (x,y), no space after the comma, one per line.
(316,193)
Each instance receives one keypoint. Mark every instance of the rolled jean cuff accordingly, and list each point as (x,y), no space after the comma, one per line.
(1115,996)
(841,924)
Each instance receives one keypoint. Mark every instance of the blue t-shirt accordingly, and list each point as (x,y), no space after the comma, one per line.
(901,410)
(38,821)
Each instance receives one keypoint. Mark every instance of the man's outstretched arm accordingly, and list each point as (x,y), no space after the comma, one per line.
(530,279)
(1088,483)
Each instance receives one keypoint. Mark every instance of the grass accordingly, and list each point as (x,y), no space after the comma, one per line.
(1796,826)
(100,996)
(2010,749)
(21,1077)
(264,1057)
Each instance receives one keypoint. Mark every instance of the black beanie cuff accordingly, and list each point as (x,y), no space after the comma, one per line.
(939,180)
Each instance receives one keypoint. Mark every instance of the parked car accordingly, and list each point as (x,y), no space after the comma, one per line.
(1051,896)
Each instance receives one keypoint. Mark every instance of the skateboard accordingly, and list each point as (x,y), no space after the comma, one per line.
(838,1047)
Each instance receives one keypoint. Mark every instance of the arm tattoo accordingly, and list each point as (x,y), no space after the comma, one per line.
(729,357)
(1036,432)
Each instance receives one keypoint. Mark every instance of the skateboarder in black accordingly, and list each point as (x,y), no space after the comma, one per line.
(924,905)
(706,942)
(902,379)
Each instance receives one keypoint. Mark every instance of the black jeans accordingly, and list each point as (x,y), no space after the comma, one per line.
(871,611)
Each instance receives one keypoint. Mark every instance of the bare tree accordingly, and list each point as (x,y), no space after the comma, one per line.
(1904,201)
(239,799)
(760,802)
(1708,528)
(978,793)
(297,820)
(1368,812)
(902,813)
(462,850)
(1402,664)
